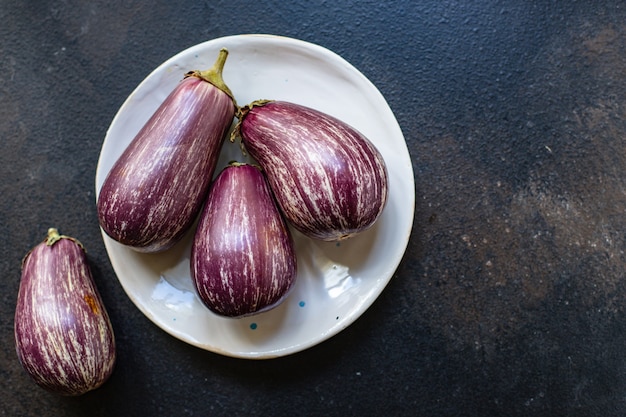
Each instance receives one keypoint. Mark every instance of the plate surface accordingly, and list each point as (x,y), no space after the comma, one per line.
(336,282)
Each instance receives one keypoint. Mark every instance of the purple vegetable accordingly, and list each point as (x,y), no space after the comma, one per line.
(329,180)
(64,339)
(155,190)
(243,260)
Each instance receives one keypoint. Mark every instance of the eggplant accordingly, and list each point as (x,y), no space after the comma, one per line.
(330,181)
(63,335)
(155,190)
(243,260)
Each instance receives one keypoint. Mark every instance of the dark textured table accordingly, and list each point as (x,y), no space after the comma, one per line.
(510,300)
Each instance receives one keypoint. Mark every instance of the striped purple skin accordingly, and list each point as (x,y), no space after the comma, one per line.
(243,260)
(155,190)
(63,335)
(329,180)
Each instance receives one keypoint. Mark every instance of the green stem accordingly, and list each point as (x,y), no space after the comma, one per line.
(241,164)
(54,236)
(241,114)
(214,74)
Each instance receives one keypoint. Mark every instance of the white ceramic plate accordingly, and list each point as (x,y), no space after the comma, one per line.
(336,282)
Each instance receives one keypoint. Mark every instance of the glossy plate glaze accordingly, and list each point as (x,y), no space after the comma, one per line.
(336,282)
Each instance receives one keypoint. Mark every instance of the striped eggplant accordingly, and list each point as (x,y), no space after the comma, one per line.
(63,335)
(243,260)
(329,179)
(154,191)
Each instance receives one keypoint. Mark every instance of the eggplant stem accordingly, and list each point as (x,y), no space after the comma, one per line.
(235,163)
(214,75)
(241,114)
(54,236)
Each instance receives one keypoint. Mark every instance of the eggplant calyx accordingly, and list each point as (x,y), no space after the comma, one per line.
(54,236)
(241,114)
(236,164)
(243,164)
(214,75)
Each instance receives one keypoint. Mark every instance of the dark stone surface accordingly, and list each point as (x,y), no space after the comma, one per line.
(511,298)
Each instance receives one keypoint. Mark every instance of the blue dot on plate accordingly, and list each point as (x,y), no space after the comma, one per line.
(253,326)
(301,303)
